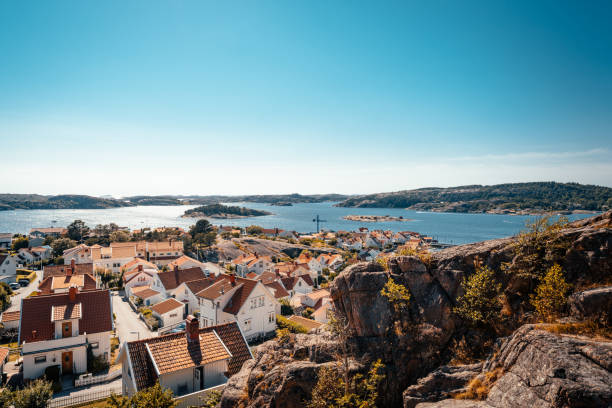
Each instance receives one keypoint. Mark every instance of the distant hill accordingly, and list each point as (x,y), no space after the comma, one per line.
(223,211)
(522,198)
(212,199)
(39,202)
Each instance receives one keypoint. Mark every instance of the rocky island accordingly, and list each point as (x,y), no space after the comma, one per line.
(375,218)
(223,211)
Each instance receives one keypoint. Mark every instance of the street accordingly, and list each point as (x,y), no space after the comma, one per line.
(24,292)
(129,326)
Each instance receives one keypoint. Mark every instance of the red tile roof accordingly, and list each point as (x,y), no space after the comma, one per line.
(36,314)
(172,279)
(144,292)
(4,352)
(166,306)
(277,289)
(243,288)
(290,282)
(60,270)
(229,333)
(197,285)
(66,312)
(50,284)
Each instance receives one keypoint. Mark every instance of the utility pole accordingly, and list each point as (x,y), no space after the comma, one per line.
(318,221)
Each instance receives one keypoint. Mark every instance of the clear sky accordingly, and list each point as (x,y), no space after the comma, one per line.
(240,97)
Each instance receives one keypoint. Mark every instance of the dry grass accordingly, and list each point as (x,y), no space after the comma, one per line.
(589,328)
(478,388)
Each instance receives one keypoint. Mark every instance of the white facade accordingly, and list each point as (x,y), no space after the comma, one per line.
(182,293)
(39,355)
(171,317)
(113,264)
(256,317)
(8,269)
(142,278)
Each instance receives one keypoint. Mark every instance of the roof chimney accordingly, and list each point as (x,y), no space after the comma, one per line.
(192,328)
(72,263)
(33,334)
(232,280)
(140,268)
(176,268)
(72,293)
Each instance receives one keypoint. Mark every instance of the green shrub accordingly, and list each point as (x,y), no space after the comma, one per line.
(284,323)
(480,303)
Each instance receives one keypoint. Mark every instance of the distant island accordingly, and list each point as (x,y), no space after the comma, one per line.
(56,202)
(516,198)
(282,204)
(223,211)
(375,218)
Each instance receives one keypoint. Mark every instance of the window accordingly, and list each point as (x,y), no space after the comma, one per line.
(261,301)
(204,322)
(173,314)
(247,325)
(271,317)
(94,345)
(40,359)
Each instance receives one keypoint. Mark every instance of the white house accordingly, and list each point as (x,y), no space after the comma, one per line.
(186,293)
(8,268)
(10,320)
(43,252)
(252,263)
(79,254)
(168,312)
(300,284)
(188,363)
(330,261)
(166,282)
(246,301)
(6,240)
(25,256)
(147,295)
(139,277)
(57,330)
(311,261)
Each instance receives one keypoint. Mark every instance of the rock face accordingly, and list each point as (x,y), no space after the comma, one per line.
(280,374)
(412,343)
(547,370)
(440,384)
(592,304)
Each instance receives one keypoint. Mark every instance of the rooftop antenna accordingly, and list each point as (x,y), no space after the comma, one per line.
(318,221)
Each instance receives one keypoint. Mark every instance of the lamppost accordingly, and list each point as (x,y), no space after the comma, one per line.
(137,333)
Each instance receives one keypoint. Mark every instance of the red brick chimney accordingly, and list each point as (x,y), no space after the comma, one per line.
(140,268)
(176,269)
(192,328)
(33,334)
(232,280)
(72,293)
(72,264)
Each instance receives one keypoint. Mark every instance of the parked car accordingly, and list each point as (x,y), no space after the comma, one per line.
(24,282)
(14,285)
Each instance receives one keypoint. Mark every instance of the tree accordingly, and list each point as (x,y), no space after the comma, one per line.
(480,302)
(200,227)
(36,395)
(399,297)
(286,308)
(328,391)
(254,230)
(153,396)
(77,230)
(119,236)
(205,239)
(62,244)
(18,243)
(5,296)
(550,295)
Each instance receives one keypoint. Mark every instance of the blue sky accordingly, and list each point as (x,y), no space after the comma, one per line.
(196,97)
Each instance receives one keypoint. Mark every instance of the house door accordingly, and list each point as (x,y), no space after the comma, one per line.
(67,362)
(67,329)
(198,377)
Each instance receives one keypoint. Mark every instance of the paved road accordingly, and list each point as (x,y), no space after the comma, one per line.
(214,268)
(24,292)
(129,326)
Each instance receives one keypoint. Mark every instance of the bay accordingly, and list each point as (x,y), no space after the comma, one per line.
(453,228)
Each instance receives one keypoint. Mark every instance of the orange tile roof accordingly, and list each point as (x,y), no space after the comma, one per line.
(36,314)
(144,292)
(142,364)
(166,306)
(4,352)
(179,353)
(307,323)
(66,312)
(243,287)
(10,316)
(181,261)
(63,282)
